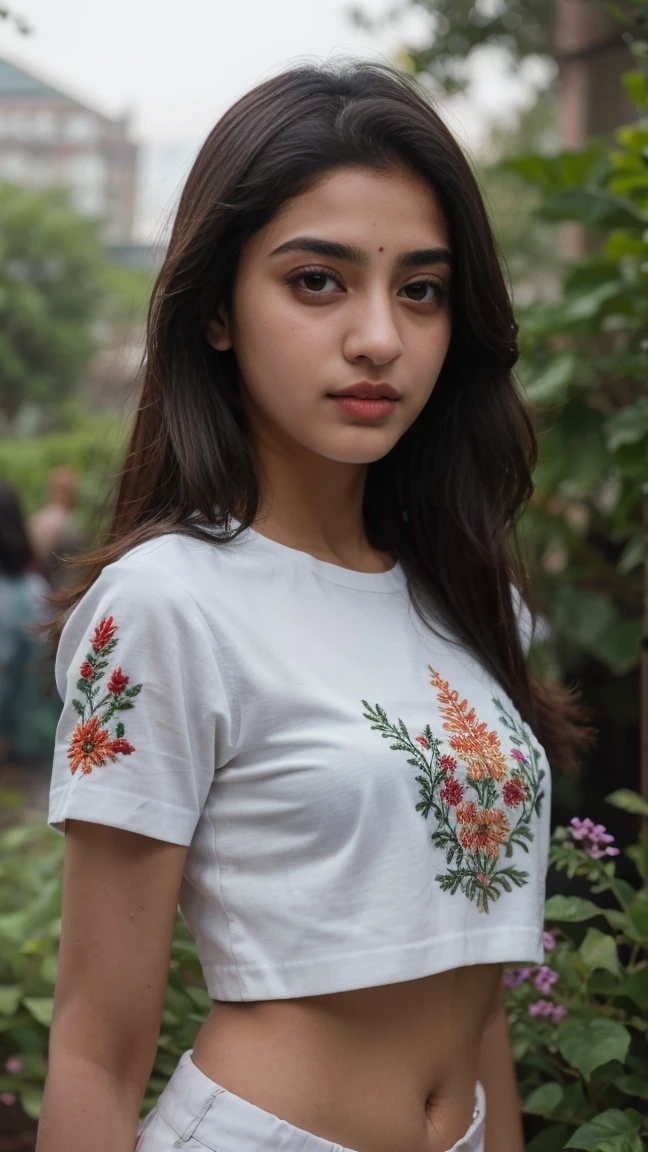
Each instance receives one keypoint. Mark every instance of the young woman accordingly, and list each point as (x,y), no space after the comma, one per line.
(296,695)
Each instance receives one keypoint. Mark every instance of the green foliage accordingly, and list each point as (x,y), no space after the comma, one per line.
(583,1078)
(51,264)
(459,27)
(583,1066)
(93,446)
(31,870)
(583,366)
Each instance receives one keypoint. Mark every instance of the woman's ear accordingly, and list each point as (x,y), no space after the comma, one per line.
(218,332)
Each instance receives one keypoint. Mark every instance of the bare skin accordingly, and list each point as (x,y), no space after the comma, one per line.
(390,1068)
(386,1069)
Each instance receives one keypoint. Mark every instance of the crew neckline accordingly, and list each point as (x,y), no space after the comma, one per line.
(388,581)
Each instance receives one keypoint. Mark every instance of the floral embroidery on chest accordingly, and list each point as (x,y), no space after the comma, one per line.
(482,798)
(96,739)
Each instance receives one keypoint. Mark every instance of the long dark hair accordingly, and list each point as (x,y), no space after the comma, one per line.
(16,554)
(446,498)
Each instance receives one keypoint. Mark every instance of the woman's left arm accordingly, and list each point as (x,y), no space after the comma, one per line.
(497,1074)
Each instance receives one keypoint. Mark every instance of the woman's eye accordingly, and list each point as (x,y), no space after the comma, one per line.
(313,281)
(421,286)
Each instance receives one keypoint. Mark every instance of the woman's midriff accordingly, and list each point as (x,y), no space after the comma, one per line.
(384,1069)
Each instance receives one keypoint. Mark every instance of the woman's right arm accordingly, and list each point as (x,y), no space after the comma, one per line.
(120,897)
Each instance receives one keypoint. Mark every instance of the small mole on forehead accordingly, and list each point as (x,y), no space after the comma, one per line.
(380,249)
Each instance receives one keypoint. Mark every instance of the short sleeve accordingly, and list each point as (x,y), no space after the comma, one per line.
(147,715)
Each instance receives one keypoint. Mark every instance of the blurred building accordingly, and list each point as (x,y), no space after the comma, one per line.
(48,137)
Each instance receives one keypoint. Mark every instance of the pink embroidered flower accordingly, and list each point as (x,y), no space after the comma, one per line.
(517,755)
(513,793)
(86,670)
(448,763)
(452,792)
(104,633)
(117,682)
(484,830)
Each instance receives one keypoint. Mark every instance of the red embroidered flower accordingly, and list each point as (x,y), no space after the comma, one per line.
(86,670)
(117,682)
(448,763)
(90,745)
(104,633)
(484,830)
(513,793)
(517,755)
(423,742)
(452,792)
(122,745)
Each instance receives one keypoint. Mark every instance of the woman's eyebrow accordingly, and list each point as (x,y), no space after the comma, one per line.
(337,251)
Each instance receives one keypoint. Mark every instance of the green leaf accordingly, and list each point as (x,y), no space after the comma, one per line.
(570,908)
(604,1131)
(628,801)
(587,1044)
(41,1008)
(544,1100)
(632,1085)
(551,385)
(636,85)
(551,1139)
(638,916)
(599,951)
(31,1100)
(9,999)
(619,646)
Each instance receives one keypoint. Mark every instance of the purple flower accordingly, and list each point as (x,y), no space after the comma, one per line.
(516,976)
(591,835)
(554,1012)
(549,941)
(14,1065)
(517,755)
(7,1098)
(544,978)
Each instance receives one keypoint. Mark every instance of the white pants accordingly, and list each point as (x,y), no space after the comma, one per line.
(196,1114)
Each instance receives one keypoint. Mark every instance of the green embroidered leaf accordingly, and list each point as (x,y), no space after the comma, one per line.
(78,707)
(134,691)
(82,686)
(123,705)
(120,730)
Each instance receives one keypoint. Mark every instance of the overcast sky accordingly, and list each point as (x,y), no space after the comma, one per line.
(175,65)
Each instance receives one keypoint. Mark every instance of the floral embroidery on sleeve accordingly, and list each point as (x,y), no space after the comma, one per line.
(92,742)
(488,811)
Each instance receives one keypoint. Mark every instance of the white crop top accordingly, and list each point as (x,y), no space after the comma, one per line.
(360,800)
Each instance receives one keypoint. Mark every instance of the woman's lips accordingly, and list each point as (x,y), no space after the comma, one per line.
(364,409)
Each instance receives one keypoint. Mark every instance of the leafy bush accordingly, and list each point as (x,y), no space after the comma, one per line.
(578,1023)
(93,446)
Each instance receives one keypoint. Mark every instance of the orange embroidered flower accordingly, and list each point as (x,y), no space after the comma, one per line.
(90,745)
(117,682)
(483,829)
(104,633)
(480,749)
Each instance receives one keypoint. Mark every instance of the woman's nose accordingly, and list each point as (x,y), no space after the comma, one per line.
(372,331)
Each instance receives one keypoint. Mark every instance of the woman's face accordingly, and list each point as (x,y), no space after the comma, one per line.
(305,325)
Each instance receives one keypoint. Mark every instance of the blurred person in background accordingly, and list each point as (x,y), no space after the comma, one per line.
(52,530)
(28,709)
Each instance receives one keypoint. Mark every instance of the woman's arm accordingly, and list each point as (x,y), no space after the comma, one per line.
(120,894)
(497,1074)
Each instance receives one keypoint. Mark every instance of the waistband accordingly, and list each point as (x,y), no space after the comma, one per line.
(236,1125)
